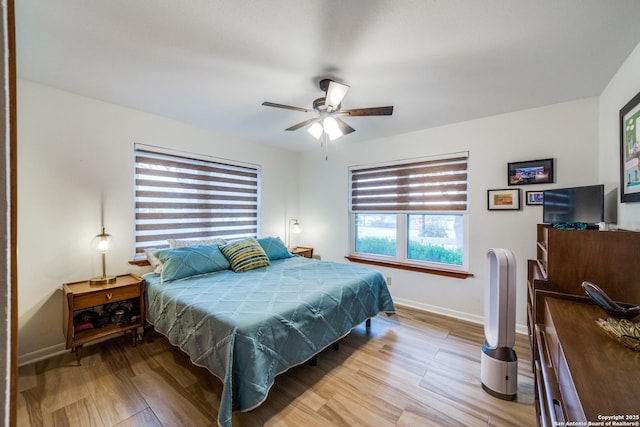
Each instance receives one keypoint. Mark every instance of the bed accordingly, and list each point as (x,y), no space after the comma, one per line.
(247,327)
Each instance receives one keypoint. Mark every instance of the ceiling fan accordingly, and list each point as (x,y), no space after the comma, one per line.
(329,120)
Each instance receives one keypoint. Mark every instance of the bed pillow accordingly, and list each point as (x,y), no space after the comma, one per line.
(245,254)
(180,243)
(187,261)
(274,248)
(153,260)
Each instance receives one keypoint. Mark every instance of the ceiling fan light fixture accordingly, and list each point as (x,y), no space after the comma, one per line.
(328,124)
(331,127)
(316,130)
(335,94)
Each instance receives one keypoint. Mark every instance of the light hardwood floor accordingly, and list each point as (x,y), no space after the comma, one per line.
(411,369)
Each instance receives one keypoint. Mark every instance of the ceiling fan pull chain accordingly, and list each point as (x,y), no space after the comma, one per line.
(324,144)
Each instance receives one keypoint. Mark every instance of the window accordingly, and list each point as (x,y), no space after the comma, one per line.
(187,196)
(411,212)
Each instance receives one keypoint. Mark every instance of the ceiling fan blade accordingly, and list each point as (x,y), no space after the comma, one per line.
(344,127)
(286,107)
(374,111)
(303,124)
(335,94)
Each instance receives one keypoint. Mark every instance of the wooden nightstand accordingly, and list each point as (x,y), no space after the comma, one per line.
(303,251)
(82,296)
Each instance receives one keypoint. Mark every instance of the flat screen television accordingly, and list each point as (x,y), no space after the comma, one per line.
(575,204)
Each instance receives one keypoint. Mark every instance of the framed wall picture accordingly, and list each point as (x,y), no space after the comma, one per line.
(534,197)
(503,200)
(530,172)
(630,151)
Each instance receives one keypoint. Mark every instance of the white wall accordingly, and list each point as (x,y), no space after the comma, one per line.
(74,152)
(622,87)
(567,132)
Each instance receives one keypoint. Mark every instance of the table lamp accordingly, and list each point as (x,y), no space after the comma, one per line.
(102,242)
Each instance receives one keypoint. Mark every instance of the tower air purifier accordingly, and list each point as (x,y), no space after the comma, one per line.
(499,363)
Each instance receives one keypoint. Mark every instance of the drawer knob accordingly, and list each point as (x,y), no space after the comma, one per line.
(109,295)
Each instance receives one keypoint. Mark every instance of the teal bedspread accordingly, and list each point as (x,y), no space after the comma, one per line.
(248,327)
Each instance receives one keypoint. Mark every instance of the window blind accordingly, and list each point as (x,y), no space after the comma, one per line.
(179,197)
(426,185)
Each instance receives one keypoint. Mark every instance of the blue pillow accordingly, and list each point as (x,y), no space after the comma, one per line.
(274,248)
(178,263)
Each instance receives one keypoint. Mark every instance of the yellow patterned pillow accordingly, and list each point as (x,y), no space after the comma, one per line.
(245,254)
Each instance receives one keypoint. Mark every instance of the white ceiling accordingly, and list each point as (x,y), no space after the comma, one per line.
(213,62)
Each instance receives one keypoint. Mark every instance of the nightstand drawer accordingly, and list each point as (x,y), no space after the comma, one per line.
(105,296)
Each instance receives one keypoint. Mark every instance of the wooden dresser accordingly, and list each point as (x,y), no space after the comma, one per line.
(582,374)
(580,371)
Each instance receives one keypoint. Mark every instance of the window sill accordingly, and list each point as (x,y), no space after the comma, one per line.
(140,262)
(410,267)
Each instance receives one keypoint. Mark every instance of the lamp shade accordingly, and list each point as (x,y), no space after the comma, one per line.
(331,128)
(294,228)
(315,130)
(102,243)
(335,94)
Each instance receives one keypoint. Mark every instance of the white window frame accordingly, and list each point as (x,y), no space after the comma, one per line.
(401,225)
(402,242)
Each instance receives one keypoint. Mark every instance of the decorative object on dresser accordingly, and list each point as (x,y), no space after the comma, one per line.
(607,304)
(94,311)
(625,331)
(102,242)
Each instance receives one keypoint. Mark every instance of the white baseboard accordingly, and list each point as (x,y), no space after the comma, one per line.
(55,350)
(43,353)
(520,329)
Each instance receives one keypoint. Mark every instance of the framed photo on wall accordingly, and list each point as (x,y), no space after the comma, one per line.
(503,200)
(530,172)
(534,197)
(630,151)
